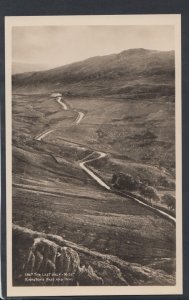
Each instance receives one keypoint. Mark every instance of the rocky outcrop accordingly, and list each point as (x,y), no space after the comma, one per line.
(40,257)
(45,259)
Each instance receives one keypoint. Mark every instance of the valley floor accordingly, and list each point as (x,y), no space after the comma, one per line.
(53,195)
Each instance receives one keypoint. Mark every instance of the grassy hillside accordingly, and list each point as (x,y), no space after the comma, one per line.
(53,195)
(142,131)
(134,73)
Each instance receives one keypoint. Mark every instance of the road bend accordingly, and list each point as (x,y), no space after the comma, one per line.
(107,187)
(60,101)
(79,117)
(64,106)
(92,174)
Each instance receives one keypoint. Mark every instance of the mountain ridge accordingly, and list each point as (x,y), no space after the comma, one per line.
(101,74)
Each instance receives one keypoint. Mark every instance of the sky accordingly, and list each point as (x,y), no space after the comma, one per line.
(60,45)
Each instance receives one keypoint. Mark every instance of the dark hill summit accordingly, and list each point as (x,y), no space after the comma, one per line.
(131,72)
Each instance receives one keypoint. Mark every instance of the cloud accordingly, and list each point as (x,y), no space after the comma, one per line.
(65,44)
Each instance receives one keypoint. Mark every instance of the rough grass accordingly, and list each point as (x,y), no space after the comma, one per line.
(103,269)
(109,224)
(53,195)
(143,131)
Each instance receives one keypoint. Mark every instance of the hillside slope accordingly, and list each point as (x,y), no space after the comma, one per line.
(35,252)
(131,72)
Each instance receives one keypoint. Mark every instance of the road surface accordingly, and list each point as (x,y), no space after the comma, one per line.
(42,135)
(59,100)
(92,174)
(80,117)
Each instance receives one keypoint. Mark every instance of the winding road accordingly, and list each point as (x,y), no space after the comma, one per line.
(98,155)
(103,184)
(92,174)
(59,100)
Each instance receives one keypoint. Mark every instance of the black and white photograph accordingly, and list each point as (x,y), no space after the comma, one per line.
(94,155)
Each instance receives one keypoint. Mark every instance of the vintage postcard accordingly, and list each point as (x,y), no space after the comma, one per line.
(93,155)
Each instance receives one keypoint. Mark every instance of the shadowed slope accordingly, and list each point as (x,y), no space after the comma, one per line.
(46,253)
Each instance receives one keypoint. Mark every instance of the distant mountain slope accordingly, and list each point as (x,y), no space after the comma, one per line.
(134,71)
(21,67)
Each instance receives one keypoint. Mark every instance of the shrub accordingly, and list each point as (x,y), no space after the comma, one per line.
(169,200)
(149,192)
(165,182)
(125,181)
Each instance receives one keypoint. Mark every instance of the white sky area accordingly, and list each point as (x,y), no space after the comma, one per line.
(60,45)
